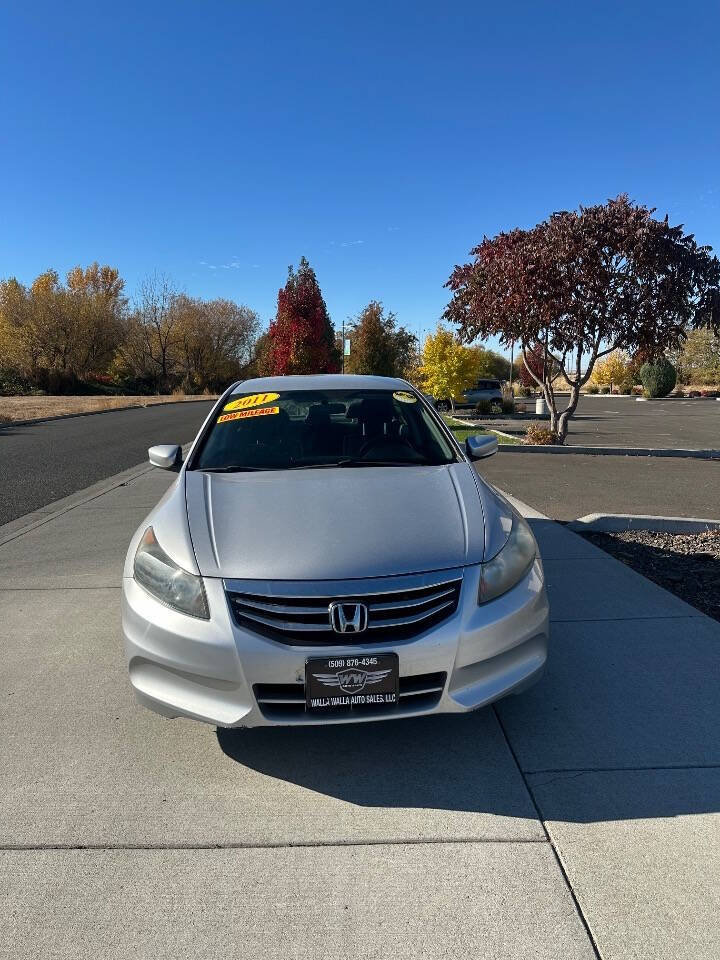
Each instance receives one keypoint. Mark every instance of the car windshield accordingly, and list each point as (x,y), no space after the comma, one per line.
(322,428)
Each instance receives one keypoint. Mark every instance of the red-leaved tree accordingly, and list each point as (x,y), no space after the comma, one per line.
(301,338)
(582,284)
(532,363)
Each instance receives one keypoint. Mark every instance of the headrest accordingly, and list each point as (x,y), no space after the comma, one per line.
(318,414)
(372,409)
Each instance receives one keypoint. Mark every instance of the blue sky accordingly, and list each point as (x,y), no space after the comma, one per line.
(218,142)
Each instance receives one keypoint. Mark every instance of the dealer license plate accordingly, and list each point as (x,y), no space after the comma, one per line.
(360,682)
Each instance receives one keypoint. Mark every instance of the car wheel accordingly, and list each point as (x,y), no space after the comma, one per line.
(443,406)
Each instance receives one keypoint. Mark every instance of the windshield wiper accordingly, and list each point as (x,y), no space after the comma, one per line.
(345,462)
(356,462)
(233,468)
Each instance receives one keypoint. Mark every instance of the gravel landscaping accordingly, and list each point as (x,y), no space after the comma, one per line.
(686,564)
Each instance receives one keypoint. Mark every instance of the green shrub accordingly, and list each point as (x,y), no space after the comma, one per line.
(658,378)
(539,435)
(483,407)
(593,388)
(508,405)
(604,389)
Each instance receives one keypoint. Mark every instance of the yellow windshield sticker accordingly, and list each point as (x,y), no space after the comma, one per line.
(404,396)
(244,414)
(254,400)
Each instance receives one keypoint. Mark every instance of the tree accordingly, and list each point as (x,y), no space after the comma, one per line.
(490,364)
(55,333)
(698,362)
(531,365)
(172,340)
(20,349)
(151,347)
(447,366)
(259,365)
(216,342)
(582,284)
(301,337)
(378,345)
(613,370)
(95,296)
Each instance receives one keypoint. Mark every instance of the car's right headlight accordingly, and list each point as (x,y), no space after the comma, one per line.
(510,565)
(166,581)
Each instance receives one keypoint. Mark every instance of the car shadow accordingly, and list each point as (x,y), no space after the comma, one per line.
(461,763)
(444,762)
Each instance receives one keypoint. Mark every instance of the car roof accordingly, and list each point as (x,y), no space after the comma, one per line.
(322,381)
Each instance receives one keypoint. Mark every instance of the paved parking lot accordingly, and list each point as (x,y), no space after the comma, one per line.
(567,486)
(577,820)
(607,421)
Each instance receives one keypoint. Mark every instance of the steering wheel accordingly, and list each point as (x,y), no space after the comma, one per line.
(383,441)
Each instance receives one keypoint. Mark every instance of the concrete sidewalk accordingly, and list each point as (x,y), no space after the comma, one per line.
(579,819)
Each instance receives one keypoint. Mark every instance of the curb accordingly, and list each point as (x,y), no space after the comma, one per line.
(524,509)
(613,451)
(617,522)
(94,413)
(31,521)
(509,436)
(486,419)
(671,399)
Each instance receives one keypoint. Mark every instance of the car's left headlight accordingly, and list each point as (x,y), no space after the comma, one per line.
(166,581)
(510,565)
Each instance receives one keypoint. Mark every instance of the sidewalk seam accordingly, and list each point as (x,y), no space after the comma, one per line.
(19,847)
(556,854)
(660,766)
(667,616)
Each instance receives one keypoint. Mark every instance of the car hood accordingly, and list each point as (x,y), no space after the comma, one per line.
(335,524)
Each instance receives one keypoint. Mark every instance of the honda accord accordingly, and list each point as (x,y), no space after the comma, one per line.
(328,553)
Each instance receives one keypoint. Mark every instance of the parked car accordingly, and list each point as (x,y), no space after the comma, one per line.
(328,553)
(490,390)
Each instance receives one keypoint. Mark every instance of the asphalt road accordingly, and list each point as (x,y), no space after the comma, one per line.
(623,422)
(45,461)
(568,486)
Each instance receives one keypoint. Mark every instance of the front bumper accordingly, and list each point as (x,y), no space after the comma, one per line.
(209,669)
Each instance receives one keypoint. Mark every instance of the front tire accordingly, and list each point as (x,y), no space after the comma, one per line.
(443,406)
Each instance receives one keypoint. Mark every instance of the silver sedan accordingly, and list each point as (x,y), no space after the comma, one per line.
(329,554)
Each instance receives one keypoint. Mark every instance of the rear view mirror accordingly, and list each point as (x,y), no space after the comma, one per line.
(479,447)
(167,456)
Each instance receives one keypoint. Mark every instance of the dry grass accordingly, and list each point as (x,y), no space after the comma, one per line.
(13,409)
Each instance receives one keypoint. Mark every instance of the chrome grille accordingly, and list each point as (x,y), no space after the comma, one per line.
(397,614)
(286,701)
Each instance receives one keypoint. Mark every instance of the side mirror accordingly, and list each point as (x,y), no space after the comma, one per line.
(479,447)
(167,456)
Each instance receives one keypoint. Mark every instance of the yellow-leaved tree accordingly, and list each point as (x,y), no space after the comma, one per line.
(613,370)
(447,366)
